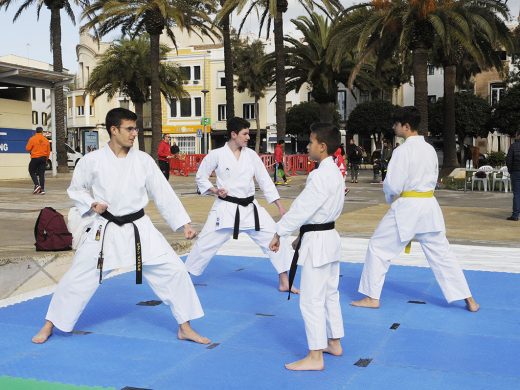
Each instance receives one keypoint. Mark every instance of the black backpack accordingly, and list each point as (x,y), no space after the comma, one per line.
(50,231)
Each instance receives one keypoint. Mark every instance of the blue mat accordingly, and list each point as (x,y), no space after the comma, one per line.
(435,345)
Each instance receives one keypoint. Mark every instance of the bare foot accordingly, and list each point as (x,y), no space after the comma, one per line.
(471,305)
(44,333)
(186,332)
(368,302)
(283,284)
(334,347)
(312,362)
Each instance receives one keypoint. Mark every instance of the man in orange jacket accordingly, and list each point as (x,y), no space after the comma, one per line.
(40,150)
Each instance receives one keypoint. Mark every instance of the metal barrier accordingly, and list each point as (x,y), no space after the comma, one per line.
(184,164)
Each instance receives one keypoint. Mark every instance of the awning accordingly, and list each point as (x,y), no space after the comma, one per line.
(32,77)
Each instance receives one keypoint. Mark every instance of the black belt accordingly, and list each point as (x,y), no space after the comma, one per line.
(242,202)
(120,221)
(304,229)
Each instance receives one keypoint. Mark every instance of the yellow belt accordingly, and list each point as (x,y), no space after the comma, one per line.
(414,194)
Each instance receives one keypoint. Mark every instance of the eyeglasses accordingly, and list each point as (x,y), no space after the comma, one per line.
(130,129)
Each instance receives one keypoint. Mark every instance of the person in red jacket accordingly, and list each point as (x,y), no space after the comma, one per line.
(278,166)
(164,154)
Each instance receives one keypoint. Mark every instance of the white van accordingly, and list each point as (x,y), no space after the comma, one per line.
(72,158)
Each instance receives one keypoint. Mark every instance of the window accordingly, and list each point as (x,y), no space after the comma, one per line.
(364,97)
(196,73)
(43,95)
(81,110)
(34,93)
(186,107)
(221,80)
(198,106)
(432,98)
(497,90)
(186,144)
(44,118)
(173,108)
(34,116)
(222,111)
(431,70)
(249,111)
(342,105)
(186,72)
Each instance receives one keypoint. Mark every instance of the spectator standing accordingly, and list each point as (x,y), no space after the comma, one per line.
(513,166)
(40,150)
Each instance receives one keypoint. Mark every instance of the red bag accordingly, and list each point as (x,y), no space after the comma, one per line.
(50,231)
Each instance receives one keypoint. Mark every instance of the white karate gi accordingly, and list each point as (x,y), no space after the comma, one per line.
(413,167)
(236,176)
(320,202)
(124,184)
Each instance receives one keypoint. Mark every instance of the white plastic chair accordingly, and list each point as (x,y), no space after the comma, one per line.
(503,178)
(487,169)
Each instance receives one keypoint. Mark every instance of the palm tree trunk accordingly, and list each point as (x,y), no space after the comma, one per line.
(59,142)
(258,131)
(326,112)
(155,93)
(139,113)
(420,79)
(450,161)
(228,67)
(280,76)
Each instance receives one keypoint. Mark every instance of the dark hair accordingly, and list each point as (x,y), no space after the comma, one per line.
(280,142)
(517,135)
(328,134)
(236,124)
(408,114)
(116,115)
(39,129)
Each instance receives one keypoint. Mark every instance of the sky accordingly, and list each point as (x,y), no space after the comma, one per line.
(29,37)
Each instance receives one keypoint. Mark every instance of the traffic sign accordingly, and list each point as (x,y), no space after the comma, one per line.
(199,133)
(205,121)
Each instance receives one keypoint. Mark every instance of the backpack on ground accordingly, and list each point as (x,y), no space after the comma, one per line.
(50,231)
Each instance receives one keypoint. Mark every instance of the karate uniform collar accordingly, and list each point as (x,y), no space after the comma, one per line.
(415,138)
(110,152)
(326,161)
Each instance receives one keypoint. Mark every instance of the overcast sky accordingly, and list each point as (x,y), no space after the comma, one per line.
(29,37)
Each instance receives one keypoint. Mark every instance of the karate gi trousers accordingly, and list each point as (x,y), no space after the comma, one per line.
(319,304)
(386,245)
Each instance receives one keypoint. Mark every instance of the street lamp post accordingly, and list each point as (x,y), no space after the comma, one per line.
(206,146)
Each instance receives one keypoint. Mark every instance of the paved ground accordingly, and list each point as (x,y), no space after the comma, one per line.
(472,218)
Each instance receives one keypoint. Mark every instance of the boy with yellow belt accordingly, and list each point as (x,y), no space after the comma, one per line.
(414,214)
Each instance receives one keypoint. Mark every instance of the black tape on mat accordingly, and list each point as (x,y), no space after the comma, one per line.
(134,388)
(240,269)
(81,332)
(394,326)
(214,345)
(363,362)
(149,303)
(418,302)
(265,315)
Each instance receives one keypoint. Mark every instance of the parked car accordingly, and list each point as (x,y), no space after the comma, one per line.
(72,158)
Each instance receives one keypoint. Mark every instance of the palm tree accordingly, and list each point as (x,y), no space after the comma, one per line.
(308,63)
(134,17)
(273,11)
(395,28)
(125,69)
(228,63)
(464,49)
(55,6)
(253,75)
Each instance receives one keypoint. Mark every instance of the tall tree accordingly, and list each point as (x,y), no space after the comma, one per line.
(308,62)
(471,42)
(273,11)
(134,17)
(55,7)
(374,119)
(253,75)
(125,69)
(395,29)
(228,63)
